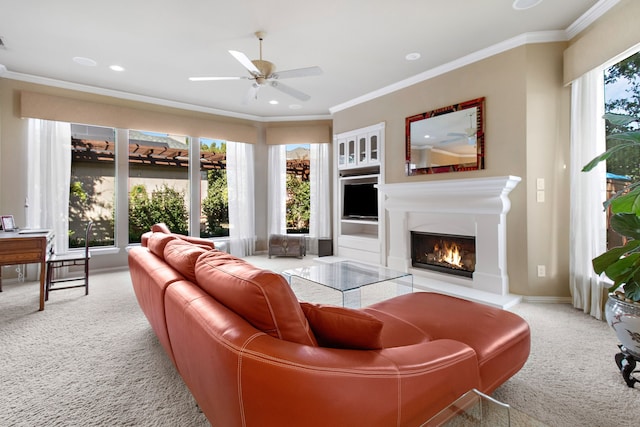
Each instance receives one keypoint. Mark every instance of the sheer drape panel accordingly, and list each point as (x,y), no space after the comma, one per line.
(277,190)
(588,192)
(48,179)
(240,182)
(320,182)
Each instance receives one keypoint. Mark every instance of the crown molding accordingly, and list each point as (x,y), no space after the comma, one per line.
(523,39)
(590,16)
(152,100)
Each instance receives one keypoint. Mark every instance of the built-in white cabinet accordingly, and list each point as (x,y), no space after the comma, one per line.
(359,208)
(359,150)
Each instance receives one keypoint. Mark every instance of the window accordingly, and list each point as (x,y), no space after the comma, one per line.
(92,188)
(214,210)
(158,182)
(622,96)
(298,188)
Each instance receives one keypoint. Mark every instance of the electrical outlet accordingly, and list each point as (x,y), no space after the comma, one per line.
(542,271)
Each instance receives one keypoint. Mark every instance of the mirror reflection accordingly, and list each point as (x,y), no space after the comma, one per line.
(448,139)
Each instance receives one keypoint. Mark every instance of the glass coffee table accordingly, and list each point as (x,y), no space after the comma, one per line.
(476,409)
(349,277)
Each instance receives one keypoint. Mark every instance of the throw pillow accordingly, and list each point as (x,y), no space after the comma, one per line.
(341,327)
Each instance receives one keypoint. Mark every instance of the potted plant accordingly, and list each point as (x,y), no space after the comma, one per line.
(622,264)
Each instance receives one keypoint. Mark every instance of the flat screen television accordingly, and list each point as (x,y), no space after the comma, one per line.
(360,201)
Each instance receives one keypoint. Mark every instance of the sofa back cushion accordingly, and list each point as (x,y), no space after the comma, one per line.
(341,327)
(160,227)
(263,298)
(182,256)
(156,243)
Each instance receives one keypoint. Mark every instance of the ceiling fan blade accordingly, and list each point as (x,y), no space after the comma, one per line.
(298,72)
(252,93)
(208,79)
(246,62)
(290,91)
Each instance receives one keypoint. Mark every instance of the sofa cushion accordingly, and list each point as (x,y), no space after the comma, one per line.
(341,327)
(160,227)
(263,298)
(157,241)
(182,256)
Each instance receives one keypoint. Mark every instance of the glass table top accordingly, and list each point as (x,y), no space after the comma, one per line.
(346,275)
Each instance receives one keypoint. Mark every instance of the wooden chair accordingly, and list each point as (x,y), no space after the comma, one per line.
(69,259)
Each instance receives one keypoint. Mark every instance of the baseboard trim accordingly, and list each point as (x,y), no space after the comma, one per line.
(546,300)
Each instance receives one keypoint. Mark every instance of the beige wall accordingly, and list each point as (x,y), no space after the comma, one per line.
(505,81)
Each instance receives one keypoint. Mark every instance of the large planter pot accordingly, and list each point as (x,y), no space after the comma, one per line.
(624,318)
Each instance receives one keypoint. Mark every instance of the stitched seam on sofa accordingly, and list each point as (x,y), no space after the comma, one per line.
(394,370)
(239,379)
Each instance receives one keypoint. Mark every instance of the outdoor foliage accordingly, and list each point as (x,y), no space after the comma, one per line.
(216,205)
(298,204)
(627,162)
(85,198)
(166,204)
(622,264)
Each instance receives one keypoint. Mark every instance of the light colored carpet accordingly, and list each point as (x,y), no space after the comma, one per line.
(94,361)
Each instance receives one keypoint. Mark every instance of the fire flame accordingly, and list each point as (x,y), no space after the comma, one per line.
(449,253)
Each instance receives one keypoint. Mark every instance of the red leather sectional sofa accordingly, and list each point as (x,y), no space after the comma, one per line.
(253,355)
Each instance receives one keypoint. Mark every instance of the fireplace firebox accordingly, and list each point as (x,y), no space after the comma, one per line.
(444,253)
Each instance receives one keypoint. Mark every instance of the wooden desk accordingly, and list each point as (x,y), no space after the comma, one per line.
(16,248)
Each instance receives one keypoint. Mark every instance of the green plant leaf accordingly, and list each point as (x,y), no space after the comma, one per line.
(623,268)
(604,156)
(619,119)
(626,202)
(626,224)
(631,137)
(600,263)
(632,290)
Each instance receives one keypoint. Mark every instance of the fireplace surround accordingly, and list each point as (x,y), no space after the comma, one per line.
(474,207)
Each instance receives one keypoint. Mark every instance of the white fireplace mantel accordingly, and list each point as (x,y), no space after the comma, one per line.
(475,207)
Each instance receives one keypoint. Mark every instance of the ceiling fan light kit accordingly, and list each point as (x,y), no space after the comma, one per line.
(263,73)
(525,4)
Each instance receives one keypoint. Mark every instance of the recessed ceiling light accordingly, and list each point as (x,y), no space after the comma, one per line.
(412,56)
(273,102)
(525,4)
(295,106)
(116,68)
(87,62)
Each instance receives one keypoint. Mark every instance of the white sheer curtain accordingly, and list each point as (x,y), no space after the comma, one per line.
(588,192)
(240,181)
(48,179)
(277,190)
(320,182)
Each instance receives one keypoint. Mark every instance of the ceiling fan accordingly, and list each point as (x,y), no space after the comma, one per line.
(264,73)
(469,134)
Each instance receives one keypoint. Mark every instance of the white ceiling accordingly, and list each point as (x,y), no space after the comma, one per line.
(359,44)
